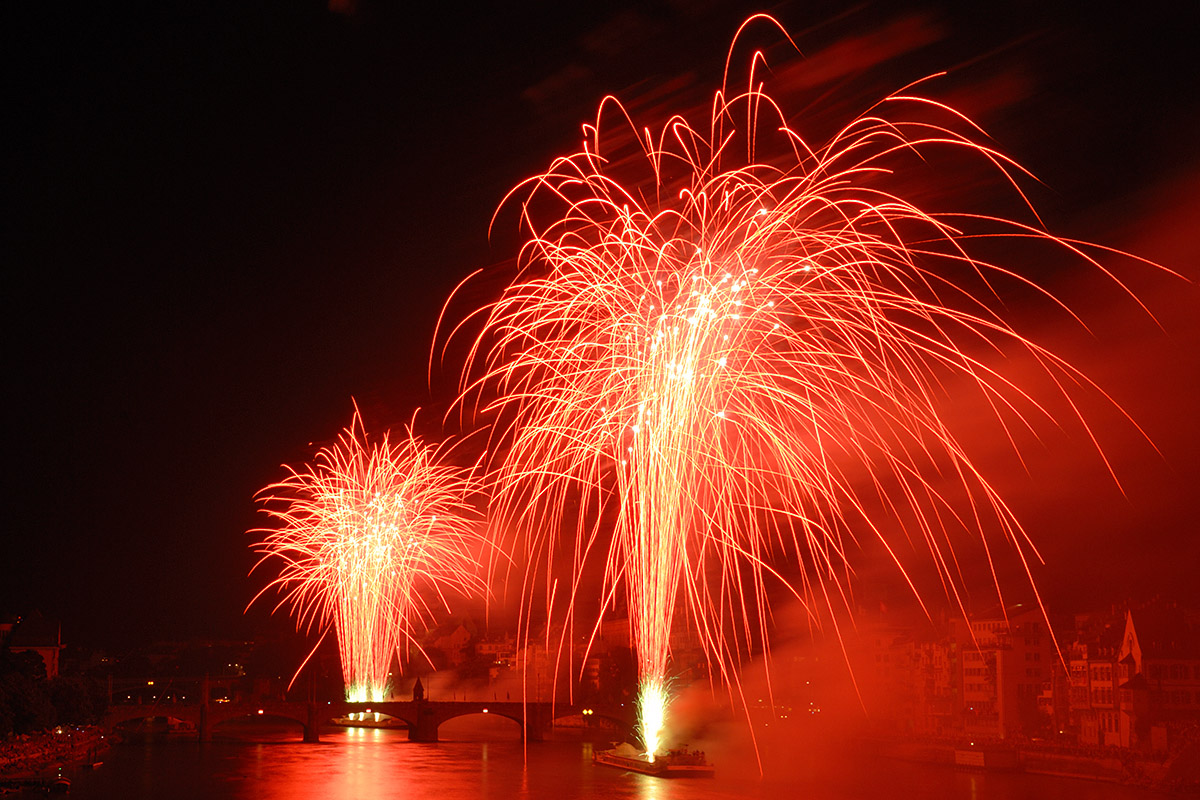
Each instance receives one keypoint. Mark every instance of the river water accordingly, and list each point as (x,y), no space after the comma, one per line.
(265,761)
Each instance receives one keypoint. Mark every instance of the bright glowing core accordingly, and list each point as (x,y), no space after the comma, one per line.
(365,693)
(652,715)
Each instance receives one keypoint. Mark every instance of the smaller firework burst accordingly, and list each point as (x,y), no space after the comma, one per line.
(370,539)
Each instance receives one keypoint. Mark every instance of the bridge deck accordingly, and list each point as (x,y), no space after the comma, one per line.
(423,717)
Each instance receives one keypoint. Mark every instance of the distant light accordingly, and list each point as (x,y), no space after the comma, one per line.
(149,683)
(260,711)
(485,711)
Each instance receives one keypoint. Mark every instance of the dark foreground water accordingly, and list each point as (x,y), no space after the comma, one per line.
(267,762)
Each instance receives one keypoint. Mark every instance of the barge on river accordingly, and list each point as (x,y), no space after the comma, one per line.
(673,764)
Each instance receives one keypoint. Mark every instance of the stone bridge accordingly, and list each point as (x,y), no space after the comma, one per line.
(423,717)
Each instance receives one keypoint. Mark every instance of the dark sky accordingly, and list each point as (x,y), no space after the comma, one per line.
(227,219)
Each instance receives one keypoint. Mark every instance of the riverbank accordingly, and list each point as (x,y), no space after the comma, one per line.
(1112,765)
(28,754)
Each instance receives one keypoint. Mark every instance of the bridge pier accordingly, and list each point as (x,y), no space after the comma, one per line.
(534,727)
(426,729)
(205,724)
(312,730)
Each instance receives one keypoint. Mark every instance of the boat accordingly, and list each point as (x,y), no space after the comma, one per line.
(682,763)
(180,727)
(368,720)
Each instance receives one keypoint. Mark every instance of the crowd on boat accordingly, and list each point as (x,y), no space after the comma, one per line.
(683,756)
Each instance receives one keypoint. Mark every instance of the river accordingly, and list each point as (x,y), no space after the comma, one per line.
(267,761)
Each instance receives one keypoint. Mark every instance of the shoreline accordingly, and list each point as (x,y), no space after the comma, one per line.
(28,755)
(1126,767)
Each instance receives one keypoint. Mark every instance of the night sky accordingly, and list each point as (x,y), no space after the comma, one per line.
(227,219)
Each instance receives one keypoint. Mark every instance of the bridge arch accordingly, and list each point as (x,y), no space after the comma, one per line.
(149,719)
(512,727)
(404,712)
(219,723)
(624,726)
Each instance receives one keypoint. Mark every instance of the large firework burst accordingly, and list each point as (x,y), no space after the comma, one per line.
(744,356)
(369,540)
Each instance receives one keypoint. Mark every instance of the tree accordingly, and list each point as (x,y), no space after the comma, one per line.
(25,706)
(29,703)
(74,701)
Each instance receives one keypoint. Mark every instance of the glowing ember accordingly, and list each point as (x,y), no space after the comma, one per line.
(366,537)
(741,354)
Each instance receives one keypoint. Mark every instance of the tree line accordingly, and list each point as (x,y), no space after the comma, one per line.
(29,702)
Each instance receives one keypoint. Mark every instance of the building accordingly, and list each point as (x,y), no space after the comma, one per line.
(935,666)
(1091,664)
(453,640)
(1005,660)
(1157,675)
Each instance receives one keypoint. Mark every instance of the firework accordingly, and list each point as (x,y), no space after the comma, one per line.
(369,540)
(740,359)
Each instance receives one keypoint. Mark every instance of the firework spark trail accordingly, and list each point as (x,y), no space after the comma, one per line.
(368,538)
(740,359)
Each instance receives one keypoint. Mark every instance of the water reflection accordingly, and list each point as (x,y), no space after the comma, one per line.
(268,761)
